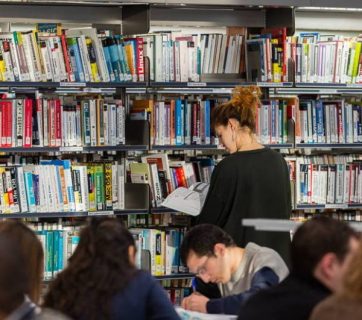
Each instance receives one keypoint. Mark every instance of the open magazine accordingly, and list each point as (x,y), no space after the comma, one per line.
(192,315)
(188,200)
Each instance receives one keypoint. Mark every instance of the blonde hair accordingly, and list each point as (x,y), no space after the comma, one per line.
(32,251)
(242,106)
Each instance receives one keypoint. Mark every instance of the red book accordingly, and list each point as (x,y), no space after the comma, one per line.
(6,121)
(68,65)
(181,179)
(140,61)
(28,126)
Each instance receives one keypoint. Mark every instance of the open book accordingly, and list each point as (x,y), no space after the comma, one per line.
(188,200)
(192,315)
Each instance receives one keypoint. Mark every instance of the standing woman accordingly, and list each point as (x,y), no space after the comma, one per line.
(252,182)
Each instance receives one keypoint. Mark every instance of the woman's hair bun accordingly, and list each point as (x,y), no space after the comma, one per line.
(244,97)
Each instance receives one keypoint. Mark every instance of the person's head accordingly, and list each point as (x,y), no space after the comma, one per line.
(236,119)
(14,281)
(32,251)
(322,248)
(101,266)
(205,250)
(352,282)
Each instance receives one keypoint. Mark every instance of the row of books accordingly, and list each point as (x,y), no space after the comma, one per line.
(164,175)
(176,57)
(339,184)
(79,55)
(187,121)
(326,60)
(346,215)
(176,121)
(58,185)
(328,121)
(158,250)
(66,121)
(59,243)
(273,120)
(177,289)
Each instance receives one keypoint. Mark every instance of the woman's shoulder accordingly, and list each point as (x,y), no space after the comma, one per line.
(337,307)
(145,277)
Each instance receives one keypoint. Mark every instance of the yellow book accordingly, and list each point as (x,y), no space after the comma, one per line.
(93,59)
(91,187)
(108,185)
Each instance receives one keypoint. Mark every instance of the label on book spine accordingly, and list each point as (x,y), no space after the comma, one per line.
(101,213)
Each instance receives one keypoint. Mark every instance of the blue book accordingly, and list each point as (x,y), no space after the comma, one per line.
(115,59)
(61,250)
(179,122)
(29,187)
(207,122)
(107,56)
(320,122)
(122,56)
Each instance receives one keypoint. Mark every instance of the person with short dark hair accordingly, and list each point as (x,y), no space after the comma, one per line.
(321,250)
(101,280)
(213,256)
(345,303)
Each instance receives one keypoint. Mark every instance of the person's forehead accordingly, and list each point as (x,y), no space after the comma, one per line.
(195,259)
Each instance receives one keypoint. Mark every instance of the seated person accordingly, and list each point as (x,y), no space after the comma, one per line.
(101,280)
(320,252)
(347,302)
(15,284)
(212,255)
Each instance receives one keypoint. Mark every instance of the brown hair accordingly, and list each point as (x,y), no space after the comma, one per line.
(32,252)
(99,269)
(352,286)
(242,106)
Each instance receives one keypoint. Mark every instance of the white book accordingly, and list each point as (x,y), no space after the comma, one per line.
(21,189)
(188,200)
(93,122)
(120,183)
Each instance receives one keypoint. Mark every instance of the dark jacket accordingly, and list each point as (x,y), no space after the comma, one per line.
(293,299)
(142,299)
(250,184)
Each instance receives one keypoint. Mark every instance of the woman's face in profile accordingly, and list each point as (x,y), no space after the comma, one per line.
(225,135)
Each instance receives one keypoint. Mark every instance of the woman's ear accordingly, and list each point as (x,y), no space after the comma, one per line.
(132,255)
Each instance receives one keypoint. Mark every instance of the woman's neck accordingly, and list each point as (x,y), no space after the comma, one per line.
(247,141)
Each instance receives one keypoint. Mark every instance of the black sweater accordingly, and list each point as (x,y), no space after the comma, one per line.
(250,184)
(292,299)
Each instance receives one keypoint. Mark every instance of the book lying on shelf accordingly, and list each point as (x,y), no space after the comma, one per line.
(188,200)
(192,315)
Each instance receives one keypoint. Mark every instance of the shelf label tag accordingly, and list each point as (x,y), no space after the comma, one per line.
(72,84)
(196,84)
(70,149)
(336,206)
(101,213)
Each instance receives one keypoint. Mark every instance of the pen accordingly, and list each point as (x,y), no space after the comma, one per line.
(193,284)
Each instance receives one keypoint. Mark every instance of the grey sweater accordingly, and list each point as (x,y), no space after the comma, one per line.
(260,268)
